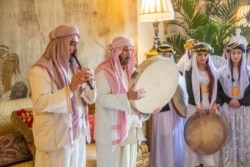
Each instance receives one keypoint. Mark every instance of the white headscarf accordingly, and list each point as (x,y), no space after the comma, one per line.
(185,60)
(113,71)
(196,78)
(226,76)
(166,48)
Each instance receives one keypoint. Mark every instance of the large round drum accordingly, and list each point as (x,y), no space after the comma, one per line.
(205,135)
(158,76)
(180,98)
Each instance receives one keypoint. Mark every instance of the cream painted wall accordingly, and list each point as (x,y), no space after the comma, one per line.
(146,38)
(25,25)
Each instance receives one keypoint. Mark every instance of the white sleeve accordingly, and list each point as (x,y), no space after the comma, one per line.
(89,95)
(106,98)
(42,95)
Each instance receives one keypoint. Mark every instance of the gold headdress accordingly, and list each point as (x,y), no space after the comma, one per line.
(190,43)
(165,48)
(202,47)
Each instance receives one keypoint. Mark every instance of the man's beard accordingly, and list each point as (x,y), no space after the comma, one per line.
(125,61)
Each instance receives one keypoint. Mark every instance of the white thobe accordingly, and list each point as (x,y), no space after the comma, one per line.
(106,104)
(52,129)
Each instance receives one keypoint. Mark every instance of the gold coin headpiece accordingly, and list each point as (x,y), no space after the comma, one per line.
(202,47)
(165,48)
(190,43)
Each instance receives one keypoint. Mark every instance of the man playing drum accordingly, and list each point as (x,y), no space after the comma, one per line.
(118,124)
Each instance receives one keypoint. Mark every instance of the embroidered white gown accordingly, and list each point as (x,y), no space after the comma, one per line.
(191,158)
(236,152)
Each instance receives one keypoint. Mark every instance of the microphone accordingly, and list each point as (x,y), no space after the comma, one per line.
(77,61)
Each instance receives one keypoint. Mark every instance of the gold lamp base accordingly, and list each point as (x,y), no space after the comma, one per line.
(151,53)
(157,42)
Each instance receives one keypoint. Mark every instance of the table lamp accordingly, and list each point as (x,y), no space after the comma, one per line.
(155,11)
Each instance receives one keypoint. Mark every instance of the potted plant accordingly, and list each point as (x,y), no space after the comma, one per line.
(213,24)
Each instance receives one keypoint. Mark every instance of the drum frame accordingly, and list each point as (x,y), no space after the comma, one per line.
(192,145)
(168,81)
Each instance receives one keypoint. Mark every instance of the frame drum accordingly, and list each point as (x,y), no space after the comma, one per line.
(158,76)
(180,98)
(205,135)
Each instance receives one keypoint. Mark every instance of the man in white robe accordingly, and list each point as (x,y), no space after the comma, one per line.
(60,93)
(117,124)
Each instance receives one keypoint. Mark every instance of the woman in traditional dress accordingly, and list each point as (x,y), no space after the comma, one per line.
(167,141)
(201,81)
(234,96)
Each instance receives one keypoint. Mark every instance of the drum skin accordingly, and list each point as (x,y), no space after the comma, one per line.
(158,76)
(180,98)
(205,135)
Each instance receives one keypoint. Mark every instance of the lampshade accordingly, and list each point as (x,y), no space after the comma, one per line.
(156,10)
